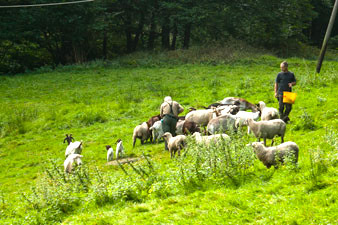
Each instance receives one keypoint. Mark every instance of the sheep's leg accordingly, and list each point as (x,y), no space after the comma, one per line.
(179,152)
(272,141)
(134,141)
(282,137)
(264,141)
(171,154)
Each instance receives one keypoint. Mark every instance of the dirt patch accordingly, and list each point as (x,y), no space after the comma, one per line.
(123,161)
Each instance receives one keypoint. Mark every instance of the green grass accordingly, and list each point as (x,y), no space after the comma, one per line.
(99,104)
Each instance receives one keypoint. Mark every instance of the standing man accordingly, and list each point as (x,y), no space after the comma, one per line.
(284,82)
(169,112)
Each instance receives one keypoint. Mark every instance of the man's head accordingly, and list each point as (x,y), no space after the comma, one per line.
(168,99)
(284,66)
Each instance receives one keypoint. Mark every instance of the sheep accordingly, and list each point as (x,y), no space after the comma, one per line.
(270,156)
(68,163)
(208,139)
(74,148)
(242,103)
(202,117)
(142,132)
(242,117)
(119,148)
(179,127)
(268,113)
(110,153)
(222,123)
(174,143)
(267,129)
(229,109)
(151,122)
(69,139)
(157,131)
(190,127)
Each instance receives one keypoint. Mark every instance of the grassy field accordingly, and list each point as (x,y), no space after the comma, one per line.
(99,103)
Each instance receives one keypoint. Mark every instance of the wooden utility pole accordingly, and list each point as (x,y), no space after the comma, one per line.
(327,36)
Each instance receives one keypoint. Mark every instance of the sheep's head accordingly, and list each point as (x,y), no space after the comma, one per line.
(108,147)
(118,141)
(167,135)
(78,160)
(256,146)
(261,105)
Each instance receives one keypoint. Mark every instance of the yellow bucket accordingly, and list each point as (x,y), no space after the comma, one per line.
(289,97)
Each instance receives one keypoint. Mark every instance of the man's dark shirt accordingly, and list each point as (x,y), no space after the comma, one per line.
(283,80)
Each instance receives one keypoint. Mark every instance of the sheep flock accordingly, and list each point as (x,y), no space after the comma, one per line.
(209,125)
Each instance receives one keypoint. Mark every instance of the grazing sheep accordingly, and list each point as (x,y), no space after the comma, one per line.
(221,124)
(179,127)
(229,109)
(68,163)
(267,129)
(74,148)
(174,143)
(157,131)
(142,132)
(269,155)
(242,117)
(242,103)
(268,113)
(202,117)
(110,153)
(211,138)
(151,122)
(190,127)
(69,139)
(119,148)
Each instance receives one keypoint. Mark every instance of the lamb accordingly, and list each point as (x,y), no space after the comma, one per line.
(74,148)
(242,117)
(208,139)
(157,131)
(174,143)
(110,153)
(142,132)
(68,163)
(267,129)
(119,149)
(221,124)
(242,103)
(269,155)
(268,113)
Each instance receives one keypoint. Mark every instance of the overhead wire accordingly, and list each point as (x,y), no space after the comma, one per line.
(45,4)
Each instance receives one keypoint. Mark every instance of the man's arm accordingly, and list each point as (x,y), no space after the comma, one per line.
(276,89)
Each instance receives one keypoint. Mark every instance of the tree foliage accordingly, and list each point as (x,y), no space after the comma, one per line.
(66,34)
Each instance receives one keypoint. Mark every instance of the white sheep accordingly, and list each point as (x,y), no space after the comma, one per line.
(209,139)
(174,143)
(68,163)
(157,131)
(269,155)
(119,148)
(221,124)
(110,153)
(268,113)
(202,116)
(74,148)
(142,132)
(242,116)
(267,129)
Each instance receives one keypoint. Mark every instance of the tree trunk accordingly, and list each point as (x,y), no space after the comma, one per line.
(186,40)
(165,34)
(138,32)
(173,42)
(152,33)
